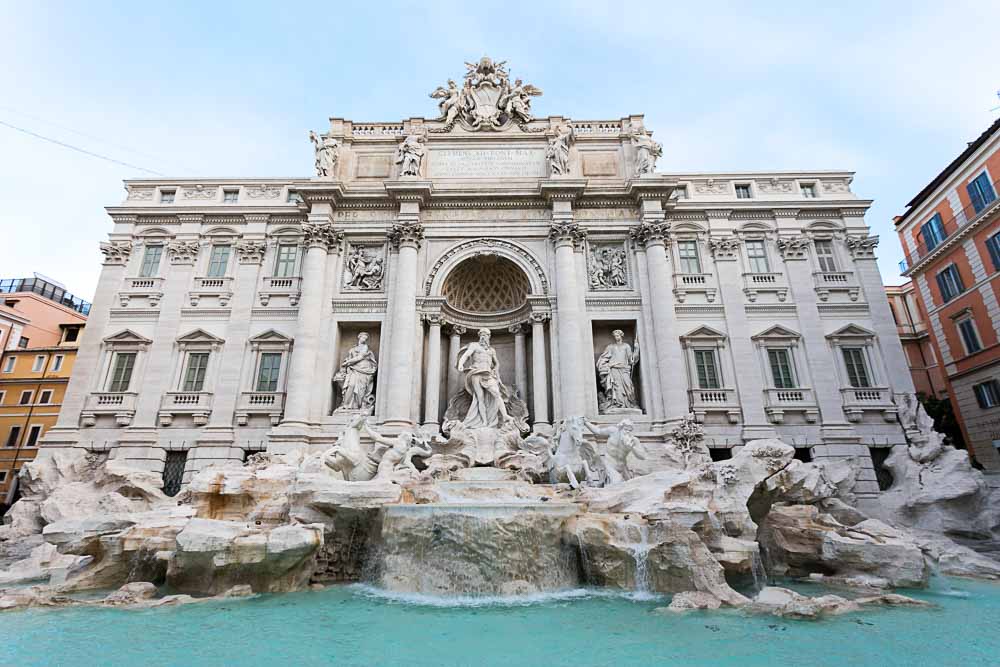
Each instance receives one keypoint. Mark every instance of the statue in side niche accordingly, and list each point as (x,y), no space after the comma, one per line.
(356,377)
(615,368)
(621,442)
(482,381)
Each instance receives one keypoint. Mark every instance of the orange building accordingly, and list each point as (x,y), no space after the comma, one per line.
(951,237)
(928,377)
(40,327)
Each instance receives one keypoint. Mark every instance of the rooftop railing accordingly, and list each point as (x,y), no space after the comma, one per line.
(48,290)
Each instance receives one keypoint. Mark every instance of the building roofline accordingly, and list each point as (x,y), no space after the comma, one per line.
(952,167)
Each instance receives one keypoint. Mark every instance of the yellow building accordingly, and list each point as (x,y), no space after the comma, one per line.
(33,379)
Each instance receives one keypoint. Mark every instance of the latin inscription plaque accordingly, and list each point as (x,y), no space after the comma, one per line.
(487,163)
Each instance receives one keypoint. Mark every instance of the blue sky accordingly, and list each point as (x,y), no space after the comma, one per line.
(890,90)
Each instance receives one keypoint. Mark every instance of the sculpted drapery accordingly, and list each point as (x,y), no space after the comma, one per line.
(357,376)
(614,367)
(482,381)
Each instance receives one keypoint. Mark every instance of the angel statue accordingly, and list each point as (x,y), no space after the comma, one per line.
(327,153)
(517,103)
(450,104)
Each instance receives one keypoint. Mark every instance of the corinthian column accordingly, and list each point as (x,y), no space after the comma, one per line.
(652,234)
(432,391)
(455,343)
(539,373)
(319,239)
(406,236)
(566,234)
(520,363)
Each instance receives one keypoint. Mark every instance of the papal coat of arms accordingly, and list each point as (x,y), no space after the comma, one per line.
(487,100)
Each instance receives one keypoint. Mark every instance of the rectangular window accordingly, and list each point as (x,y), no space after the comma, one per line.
(45,398)
(8,364)
(688,253)
(681,192)
(743,191)
(950,283)
(3,476)
(993,245)
(218,261)
(981,192)
(987,394)
(34,433)
(708,370)
(294,197)
(230,196)
(121,373)
(72,333)
(781,368)
(284,266)
(808,190)
(151,261)
(932,232)
(970,337)
(824,255)
(267,377)
(194,376)
(167,196)
(57,363)
(3,395)
(26,397)
(12,436)
(757,257)
(857,369)
(39,363)
(23,342)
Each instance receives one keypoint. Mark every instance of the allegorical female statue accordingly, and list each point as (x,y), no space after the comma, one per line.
(482,381)
(356,376)
(614,368)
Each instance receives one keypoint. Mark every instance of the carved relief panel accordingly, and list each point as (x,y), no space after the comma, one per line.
(364,268)
(607,267)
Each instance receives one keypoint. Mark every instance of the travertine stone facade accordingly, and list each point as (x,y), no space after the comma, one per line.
(747,295)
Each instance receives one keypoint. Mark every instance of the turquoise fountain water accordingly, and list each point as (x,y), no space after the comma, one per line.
(356,625)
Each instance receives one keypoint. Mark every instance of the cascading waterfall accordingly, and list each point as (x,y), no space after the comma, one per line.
(640,553)
(758,571)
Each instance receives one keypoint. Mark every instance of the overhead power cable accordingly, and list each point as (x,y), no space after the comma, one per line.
(80,150)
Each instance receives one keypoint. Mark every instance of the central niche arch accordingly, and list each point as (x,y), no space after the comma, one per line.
(486,284)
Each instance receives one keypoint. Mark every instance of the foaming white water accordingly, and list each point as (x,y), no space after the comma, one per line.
(425,600)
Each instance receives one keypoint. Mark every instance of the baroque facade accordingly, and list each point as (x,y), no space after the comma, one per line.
(235,316)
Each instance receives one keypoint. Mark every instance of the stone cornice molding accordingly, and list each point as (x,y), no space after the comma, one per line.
(188,218)
(322,235)
(562,189)
(651,188)
(786,212)
(718,213)
(250,252)
(409,191)
(650,233)
(563,232)
(406,235)
(183,252)
(323,192)
(116,253)
(862,247)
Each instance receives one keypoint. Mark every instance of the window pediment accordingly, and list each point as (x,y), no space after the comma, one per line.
(200,337)
(851,332)
(776,333)
(127,337)
(704,334)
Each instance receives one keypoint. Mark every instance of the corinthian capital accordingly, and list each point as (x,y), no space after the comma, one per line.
(862,247)
(183,252)
(116,252)
(646,233)
(567,232)
(250,252)
(403,235)
(322,235)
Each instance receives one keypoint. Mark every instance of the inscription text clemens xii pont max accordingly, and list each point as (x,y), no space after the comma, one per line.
(487,163)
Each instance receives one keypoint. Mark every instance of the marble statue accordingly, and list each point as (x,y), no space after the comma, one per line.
(615,367)
(607,268)
(451,102)
(573,458)
(356,377)
(327,154)
(557,152)
(399,451)
(688,437)
(516,103)
(925,444)
(482,381)
(410,154)
(621,442)
(349,457)
(646,152)
(364,269)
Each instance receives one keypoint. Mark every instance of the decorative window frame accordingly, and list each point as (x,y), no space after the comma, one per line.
(705,337)
(853,335)
(967,315)
(194,342)
(282,286)
(687,283)
(123,341)
(780,337)
(252,401)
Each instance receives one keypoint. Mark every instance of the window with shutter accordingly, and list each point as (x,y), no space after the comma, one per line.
(194,377)
(857,370)
(218,261)
(707,369)
(981,192)
(993,245)
(121,372)
(267,377)
(824,255)
(932,232)
(781,368)
(687,251)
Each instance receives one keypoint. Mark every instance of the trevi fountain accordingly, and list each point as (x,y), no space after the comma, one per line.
(664,514)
